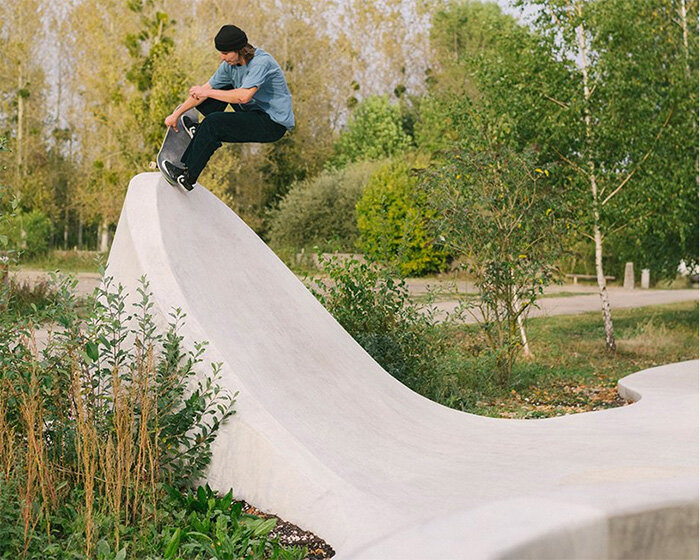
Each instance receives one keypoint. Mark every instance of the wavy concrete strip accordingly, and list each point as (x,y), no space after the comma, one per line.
(325,438)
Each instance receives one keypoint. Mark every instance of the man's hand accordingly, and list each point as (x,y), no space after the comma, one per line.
(199,92)
(171,121)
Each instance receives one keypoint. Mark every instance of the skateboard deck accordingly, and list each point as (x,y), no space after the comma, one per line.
(175,143)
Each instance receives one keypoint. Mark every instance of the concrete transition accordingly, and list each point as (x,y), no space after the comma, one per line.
(328,440)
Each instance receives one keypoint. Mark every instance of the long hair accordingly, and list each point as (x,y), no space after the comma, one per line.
(247,52)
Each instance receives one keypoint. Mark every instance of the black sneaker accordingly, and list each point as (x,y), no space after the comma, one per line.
(176,174)
(190,125)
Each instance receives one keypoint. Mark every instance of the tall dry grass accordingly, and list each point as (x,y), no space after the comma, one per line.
(81,418)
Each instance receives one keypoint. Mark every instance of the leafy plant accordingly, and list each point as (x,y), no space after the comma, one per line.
(373,306)
(320,212)
(216,527)
(95,422)
(27,232)
(393,221)
(494,209)
(374,132)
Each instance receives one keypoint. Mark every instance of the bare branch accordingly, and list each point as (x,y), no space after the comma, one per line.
(572,164)
(560,103)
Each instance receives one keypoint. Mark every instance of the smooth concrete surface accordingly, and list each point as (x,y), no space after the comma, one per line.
(328,440)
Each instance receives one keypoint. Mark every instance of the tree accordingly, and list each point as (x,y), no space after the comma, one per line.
(22,99)
(621,114)
(99,110)
(606,87)
(373,132)
(498,212)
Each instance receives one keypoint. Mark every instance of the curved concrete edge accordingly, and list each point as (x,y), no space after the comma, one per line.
(657,383)
(657,520)
(326,439)
(266,456)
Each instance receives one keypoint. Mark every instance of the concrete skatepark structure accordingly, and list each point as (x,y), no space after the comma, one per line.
(326,439)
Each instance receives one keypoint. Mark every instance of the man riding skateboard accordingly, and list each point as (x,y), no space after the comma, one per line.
(252,82)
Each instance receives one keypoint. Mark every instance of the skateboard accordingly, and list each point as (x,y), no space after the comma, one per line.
(175,143)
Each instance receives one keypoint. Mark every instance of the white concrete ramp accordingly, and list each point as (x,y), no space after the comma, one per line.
(326,439)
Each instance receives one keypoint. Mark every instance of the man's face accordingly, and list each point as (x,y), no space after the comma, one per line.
(232,58)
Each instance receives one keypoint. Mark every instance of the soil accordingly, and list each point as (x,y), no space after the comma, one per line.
(291,535)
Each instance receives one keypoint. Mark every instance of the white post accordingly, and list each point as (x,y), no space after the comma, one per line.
(629,276)
(645,279)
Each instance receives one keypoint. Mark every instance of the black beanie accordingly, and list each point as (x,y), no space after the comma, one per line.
(230,38)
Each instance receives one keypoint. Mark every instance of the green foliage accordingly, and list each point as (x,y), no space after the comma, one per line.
(505,70)
(373,132)
(495,210)
(652,73)
(26,298)
(320,212)
(215,527)
(636,133)
(153,37)
(8,206)
(27,232)
(93,423)
(374,308)
(392,219)
(155,72)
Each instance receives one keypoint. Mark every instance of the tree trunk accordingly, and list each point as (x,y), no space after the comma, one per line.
(20,120)
(603,290)
(103,237)
(523,338)
(521,327)
(597,235)
(682,12)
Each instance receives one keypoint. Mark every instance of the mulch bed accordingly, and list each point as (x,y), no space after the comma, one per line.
(291,535)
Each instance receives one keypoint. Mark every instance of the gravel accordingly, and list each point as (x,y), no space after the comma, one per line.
(291,535)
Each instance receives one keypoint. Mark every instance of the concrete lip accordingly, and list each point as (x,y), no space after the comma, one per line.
(326,439)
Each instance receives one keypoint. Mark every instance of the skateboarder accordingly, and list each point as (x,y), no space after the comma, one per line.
(249,80)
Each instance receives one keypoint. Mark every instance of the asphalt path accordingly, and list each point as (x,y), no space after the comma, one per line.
(575,304)
(565,299)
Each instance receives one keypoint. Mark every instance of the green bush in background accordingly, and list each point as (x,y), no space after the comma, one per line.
(373,306)
(320,212)
(28,232)
(374,131)
(392,219)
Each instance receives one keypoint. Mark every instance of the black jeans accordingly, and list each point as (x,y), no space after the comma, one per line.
(219,126)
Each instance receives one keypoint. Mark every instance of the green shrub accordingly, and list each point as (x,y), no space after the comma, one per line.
(28,232)
(375,309)
(95,422)
(320,212)
(24,297)
(499,212)
(392,218)
(216,527)
(374,131)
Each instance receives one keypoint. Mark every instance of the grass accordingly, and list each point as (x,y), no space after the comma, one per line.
(571,371)
(66,261)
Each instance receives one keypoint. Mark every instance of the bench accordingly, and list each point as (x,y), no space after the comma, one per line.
(576,277)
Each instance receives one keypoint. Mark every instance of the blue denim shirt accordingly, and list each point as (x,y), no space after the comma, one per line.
(263,72)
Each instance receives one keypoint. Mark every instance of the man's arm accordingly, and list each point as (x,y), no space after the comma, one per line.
(171,120)
(240,95)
